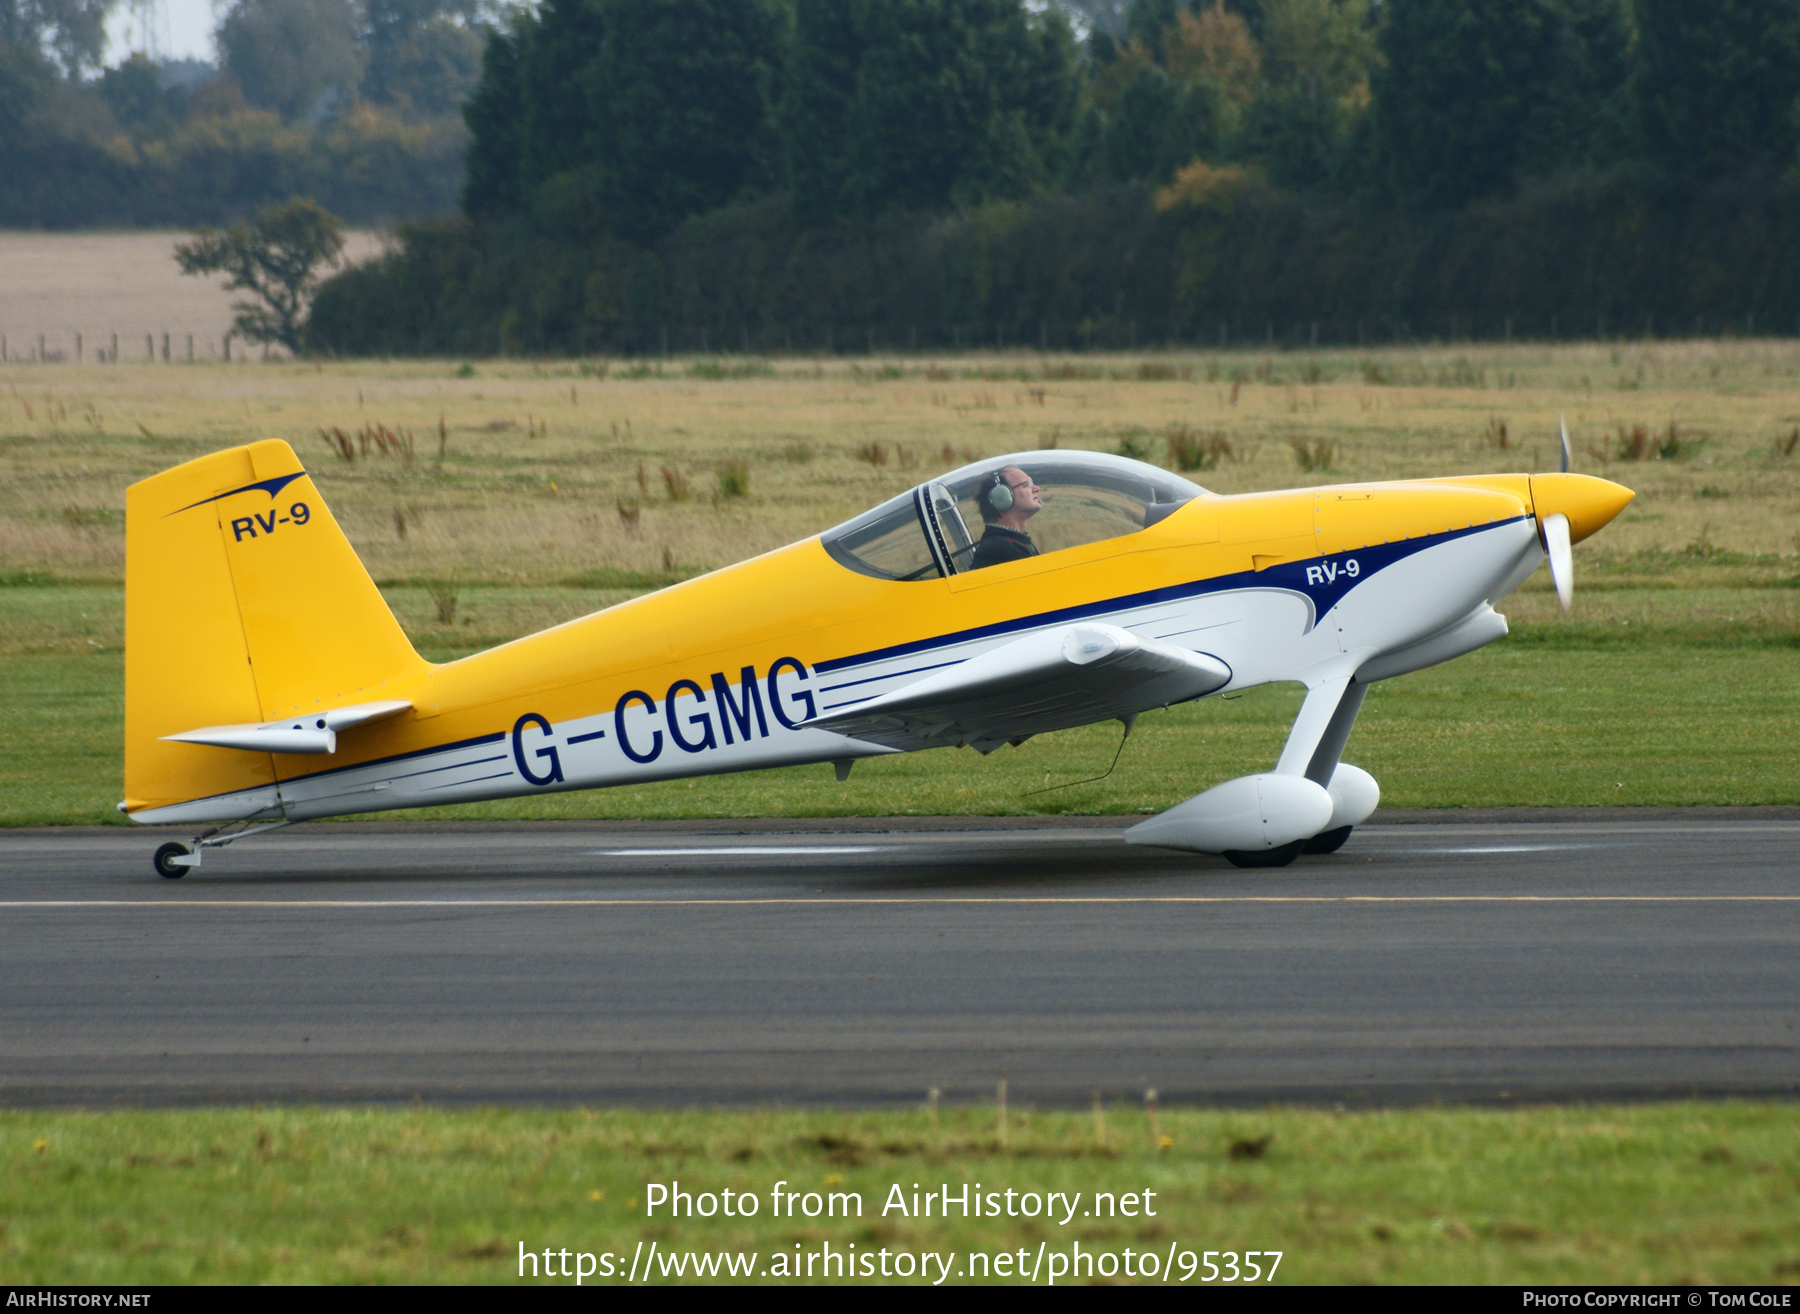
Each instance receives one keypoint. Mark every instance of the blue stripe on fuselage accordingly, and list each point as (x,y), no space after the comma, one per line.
(1290,576)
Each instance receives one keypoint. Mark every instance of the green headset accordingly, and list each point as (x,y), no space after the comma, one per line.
(999,494)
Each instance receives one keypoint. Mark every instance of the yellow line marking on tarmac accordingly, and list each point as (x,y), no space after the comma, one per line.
(928,899)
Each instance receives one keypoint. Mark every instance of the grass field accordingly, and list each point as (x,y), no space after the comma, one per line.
(600,471)
(99,284)
(521,494)
(1687,1194)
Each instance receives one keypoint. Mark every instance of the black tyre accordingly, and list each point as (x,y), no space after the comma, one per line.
(165,864)
(1328,841)
(1278,857)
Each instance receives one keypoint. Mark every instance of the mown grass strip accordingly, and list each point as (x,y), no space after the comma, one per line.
(1687,1193)
(1652,723)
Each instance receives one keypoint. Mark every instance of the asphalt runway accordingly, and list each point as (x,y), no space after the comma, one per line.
(732,962)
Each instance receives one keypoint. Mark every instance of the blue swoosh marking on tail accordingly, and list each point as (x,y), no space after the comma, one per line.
(269,486)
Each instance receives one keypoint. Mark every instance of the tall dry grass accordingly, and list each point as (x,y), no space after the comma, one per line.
(532,473)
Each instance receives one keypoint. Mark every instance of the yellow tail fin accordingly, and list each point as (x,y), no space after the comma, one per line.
(244,602)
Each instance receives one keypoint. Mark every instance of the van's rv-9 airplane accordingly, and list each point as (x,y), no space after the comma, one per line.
(267,682)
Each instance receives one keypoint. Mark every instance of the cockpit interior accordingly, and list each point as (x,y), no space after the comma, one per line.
(932,531)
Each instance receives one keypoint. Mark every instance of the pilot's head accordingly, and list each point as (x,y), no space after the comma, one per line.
(1009,497)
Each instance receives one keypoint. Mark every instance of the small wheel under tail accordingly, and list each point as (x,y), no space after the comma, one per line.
(1328,841)
(1275,857)
(165,863)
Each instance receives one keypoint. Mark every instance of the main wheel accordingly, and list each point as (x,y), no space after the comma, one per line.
(1276,857)
(1328,841)
(166,867)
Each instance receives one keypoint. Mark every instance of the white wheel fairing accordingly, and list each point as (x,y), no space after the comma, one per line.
(1248,814)
(1354,796)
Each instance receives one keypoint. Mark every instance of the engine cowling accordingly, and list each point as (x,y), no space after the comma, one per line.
(1249,814)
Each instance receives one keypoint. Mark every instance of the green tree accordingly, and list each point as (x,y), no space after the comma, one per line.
(298,57)
(678,99)
(1717,83)
(1581,116)
(72,31)
(1103,16)
(1316,60)
(424,55)
(823,68)
(1171,93)
(493,163)
(280,257)
(136,97)
(554,56)
(622,115)
(919,104)
(1147,20)
(1473,94)
(1323,48)
(1157,125)
(25,77)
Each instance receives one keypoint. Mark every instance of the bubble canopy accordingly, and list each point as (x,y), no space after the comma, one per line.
(931,531)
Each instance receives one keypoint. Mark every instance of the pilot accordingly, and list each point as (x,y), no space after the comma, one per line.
(1008,499)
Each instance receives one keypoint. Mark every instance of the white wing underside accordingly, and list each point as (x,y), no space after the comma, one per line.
(1050,681)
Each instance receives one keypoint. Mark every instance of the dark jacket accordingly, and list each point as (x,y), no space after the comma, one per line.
(999,544)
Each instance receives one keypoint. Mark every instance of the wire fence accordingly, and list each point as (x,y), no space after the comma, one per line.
(114,348)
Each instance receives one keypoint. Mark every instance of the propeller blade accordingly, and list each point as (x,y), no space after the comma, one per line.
(1565,444)
(1562,560)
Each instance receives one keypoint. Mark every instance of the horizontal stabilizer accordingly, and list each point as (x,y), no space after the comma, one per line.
(1043,682)
(316,733)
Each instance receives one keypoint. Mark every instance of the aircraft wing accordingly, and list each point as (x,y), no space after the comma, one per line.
(1050,681)
(315,732)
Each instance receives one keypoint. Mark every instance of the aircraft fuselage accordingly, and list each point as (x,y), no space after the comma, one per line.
(724,672)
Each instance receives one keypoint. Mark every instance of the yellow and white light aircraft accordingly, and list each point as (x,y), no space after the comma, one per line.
(266,681)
